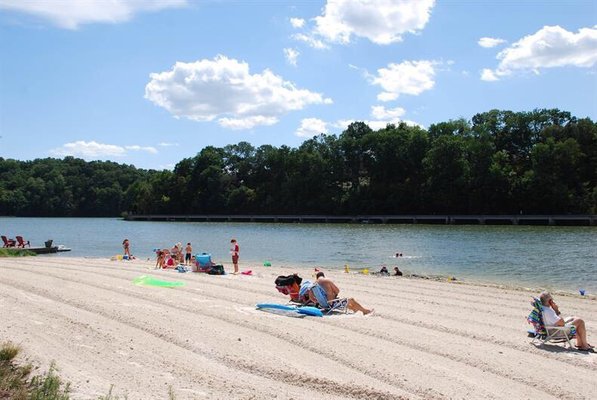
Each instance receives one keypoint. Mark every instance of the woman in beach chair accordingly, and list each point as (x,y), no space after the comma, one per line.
(325,293)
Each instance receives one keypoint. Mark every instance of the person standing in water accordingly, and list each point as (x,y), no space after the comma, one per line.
(235,252)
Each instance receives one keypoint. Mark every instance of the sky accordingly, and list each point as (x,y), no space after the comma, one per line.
(150,82)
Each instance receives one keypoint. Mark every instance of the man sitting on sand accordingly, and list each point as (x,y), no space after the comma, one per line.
(551,317)
(331,292)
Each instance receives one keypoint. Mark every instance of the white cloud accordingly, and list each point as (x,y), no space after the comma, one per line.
(167,144)
(247,123)
(488,75)
(380,112)
(310,40)
(311,127)
(489,42)
(95,150)
(297,22)
(71,14)
(408,77)
(223,89)
(291,55)
(380,21)
(549,47)
(148,149)
(88,150)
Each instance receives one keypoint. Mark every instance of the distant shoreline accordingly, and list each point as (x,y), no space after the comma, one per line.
(521,219)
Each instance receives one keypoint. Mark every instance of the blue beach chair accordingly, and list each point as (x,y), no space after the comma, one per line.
(543,333)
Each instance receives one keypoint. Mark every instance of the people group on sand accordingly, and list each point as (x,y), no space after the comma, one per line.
(170,258)
(177,256)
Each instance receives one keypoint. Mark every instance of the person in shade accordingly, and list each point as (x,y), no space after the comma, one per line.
(551,317)
(331,292)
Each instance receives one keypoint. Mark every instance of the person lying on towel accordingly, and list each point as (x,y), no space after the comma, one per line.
(325,292)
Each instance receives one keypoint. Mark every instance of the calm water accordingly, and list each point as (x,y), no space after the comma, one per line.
(555,257)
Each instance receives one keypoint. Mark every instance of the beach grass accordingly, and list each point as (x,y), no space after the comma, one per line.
(111,396)
(16,383)
(9,252)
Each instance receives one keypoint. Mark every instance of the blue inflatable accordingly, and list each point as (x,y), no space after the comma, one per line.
(311,311)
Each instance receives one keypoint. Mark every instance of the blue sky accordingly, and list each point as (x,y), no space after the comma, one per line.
(151,82)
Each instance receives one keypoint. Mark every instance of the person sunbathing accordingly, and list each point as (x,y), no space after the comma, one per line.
(331,292)
(551,317)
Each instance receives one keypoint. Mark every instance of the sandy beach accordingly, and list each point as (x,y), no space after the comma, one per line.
(426,340)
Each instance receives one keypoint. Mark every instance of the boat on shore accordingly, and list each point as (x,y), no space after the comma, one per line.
(48,249)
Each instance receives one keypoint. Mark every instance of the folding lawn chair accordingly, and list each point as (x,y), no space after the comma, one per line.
(8,242)
(543,333)
(329,306)
(22,242)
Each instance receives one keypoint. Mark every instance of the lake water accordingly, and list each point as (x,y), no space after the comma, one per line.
(563,258)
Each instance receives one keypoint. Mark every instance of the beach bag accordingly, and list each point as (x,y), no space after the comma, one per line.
(216,270)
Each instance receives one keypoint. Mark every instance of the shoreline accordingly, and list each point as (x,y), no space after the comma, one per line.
(445,219)
(406,275)
(428,339)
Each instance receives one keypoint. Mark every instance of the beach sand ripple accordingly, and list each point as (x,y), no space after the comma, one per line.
(427,339)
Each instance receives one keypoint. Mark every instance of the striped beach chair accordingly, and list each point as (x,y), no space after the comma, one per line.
(543,333)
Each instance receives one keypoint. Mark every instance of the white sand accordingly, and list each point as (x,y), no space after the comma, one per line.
(427,339)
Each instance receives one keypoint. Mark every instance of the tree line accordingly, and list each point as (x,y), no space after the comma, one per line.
(500,162)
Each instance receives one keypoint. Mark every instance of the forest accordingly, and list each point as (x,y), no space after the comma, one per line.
(500,162)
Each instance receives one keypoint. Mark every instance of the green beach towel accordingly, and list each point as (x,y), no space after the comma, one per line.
(151,281)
